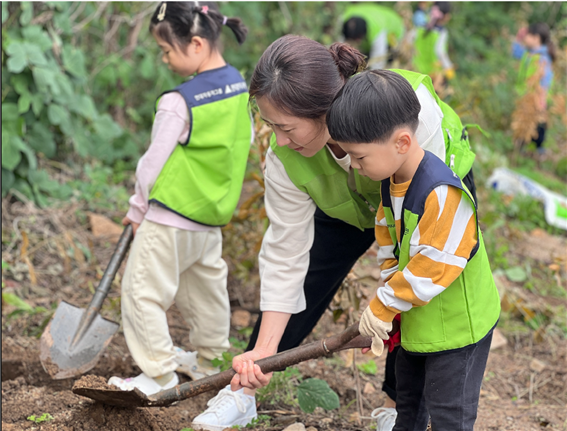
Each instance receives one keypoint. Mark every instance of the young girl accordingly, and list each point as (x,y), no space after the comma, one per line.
(534,48)
(431,42)
(188,185)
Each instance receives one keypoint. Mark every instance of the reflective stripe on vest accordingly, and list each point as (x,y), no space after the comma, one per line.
(466,310)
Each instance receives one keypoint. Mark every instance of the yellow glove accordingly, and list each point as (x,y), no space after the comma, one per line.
(371,326)
(450,73)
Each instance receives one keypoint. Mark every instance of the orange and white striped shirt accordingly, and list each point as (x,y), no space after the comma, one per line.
(440,247)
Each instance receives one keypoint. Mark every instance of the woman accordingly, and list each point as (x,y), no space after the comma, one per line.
(322,213)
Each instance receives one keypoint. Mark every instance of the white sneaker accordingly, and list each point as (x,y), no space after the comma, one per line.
(192,365)
(385,418)
(144,383)
(226,410)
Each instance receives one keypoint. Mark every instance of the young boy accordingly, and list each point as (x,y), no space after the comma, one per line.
(432,256)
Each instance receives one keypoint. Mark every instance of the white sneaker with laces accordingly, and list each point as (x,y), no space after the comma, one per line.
(385,418)
(226,410)
(192,365)
(144,383)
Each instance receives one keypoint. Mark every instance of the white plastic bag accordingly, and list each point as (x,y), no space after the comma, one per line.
(511,183)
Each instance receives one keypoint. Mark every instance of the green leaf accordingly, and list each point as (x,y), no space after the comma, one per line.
(7,181)
(62,22)
(5,13)
(24,103)
(37,104)
(21,84)
(85,106)
(37,36)
(35,54)
(106,128)
(516,273)
(45,79)
(57,114)
(73,61)
(41,140)
(368,367)
(16,301)
(313,393)
(147,68)
(11,154)
(9,113)
(17,62)
(27,13)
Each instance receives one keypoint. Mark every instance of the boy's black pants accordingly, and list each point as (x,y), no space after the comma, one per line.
(443,386)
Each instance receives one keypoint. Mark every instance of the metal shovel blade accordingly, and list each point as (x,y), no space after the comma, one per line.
(60,357)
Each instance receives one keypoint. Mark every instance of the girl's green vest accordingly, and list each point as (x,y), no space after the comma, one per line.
(203,177)
(425,59)
(529,64)
(466,310)
(332,188)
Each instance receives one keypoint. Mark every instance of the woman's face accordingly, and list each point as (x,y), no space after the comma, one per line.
(303,135)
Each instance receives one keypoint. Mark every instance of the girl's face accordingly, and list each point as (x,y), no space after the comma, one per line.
(305,136)
(181,61)
(532,41)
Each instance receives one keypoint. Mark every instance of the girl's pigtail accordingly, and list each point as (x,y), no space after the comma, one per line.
(551,50)
(237,27)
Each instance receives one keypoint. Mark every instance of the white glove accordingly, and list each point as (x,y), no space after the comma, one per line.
(371,326)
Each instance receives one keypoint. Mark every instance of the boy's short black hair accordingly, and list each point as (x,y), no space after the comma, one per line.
(371,106)
(354,28)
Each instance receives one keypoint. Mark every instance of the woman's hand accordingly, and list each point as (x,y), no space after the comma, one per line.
(126,221)
(521,34)
(249,374)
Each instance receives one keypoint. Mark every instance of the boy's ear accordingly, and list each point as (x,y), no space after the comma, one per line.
(403,142)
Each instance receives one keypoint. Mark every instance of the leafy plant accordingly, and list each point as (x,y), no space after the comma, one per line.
(368,367)
(20,305)
(313,393)
(46,417)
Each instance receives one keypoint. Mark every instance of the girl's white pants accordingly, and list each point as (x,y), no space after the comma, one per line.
(168,264)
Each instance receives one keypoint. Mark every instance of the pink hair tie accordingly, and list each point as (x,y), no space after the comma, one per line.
(205,9)
(224,18)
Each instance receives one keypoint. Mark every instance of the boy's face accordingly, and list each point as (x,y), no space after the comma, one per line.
(377,161)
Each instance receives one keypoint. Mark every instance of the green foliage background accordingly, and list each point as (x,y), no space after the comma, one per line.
(80,79)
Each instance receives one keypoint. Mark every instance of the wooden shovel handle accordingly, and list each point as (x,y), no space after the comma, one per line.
(348,339)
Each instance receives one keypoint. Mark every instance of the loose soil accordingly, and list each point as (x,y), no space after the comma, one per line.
(518,394)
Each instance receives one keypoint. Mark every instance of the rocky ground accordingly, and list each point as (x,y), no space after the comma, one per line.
(56,255)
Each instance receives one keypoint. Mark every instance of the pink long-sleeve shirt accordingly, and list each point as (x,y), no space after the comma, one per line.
(171,127)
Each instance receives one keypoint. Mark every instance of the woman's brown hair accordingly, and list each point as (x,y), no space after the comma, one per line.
(302,77)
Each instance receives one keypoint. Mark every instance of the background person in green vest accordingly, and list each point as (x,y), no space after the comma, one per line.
(536,52)
(431,42)
(375,30)
(431,254)
(187,185)
(322,213)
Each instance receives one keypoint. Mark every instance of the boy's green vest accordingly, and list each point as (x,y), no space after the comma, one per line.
(529,64)
(378,18)
(425,59)
(328,184)
(203,177)
(466,310)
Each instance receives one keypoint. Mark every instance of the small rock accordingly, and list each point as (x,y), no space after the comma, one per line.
(240,319)
(375,274)
(104,228)
(498,340)
(368,388)
(298,426)
(537,365)
(311,429)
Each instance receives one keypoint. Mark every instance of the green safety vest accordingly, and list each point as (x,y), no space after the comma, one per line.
(202,179)
(425,59)
(466,310)
(529,64)
(378,18)
(328,184)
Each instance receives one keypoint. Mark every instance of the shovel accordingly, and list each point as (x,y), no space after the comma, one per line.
(75,338)
(349,339)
